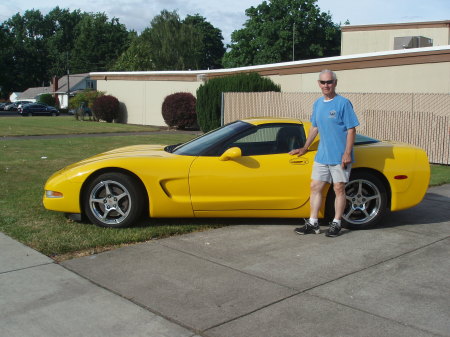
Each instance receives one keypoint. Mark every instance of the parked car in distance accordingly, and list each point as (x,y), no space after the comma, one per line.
(84,110)
(14,106)
(37,109)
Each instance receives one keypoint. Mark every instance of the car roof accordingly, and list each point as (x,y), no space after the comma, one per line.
(270,120)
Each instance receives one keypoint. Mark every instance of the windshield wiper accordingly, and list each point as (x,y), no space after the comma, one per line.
(171,148)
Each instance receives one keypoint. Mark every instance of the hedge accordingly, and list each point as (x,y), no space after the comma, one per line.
(209,95)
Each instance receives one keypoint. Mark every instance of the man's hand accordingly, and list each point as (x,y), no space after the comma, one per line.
(299,152)
(346,159)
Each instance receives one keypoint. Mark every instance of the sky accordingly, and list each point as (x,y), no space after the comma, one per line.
(229,15)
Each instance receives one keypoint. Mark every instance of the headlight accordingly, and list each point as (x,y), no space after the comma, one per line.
(53,194)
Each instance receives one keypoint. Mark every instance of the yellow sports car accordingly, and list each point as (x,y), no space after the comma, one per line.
(242,169)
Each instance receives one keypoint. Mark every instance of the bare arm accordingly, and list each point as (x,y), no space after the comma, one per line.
(313,131)
(347,157)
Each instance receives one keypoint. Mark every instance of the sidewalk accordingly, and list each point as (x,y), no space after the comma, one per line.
(41,298)
(257,280)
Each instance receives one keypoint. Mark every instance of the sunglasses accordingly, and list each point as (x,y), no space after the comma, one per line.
(326,82)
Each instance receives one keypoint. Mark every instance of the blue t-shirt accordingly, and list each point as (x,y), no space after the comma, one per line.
(333,118)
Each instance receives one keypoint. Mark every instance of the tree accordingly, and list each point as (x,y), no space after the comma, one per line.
(98,44)
(137,57)
(209,95)
(47,99)
(172,44)
(84,100)
(211,50)
(35,47)
(283,30)
(29,63)
(61,25)
(6,63)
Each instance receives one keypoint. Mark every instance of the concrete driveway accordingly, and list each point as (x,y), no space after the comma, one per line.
(258,279)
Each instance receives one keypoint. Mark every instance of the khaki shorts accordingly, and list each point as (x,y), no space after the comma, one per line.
(331,173)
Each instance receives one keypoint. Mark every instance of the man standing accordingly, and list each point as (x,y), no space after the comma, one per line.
(334,119)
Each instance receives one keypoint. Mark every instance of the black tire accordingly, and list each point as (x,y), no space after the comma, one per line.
(366,201)
(113,200)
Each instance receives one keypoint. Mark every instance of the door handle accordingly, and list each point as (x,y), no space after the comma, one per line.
(299,161)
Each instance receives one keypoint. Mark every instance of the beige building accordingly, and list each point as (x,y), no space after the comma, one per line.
(369,64)
(375,38)
(420,70)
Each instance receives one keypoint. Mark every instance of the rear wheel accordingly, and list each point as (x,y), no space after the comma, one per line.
(113,200)
(366,200)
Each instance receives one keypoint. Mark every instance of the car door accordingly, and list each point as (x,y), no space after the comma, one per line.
(265,176)
(36,108)
(42,109)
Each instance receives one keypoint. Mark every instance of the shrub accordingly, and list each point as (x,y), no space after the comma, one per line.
(82,101)
(106,108)
(209,95)
(47,99)
(178,110)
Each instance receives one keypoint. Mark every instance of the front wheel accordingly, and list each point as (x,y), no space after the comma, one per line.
(113,200)
(366,200)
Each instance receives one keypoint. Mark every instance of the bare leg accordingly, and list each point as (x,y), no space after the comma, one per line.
(339,203)
(316,197)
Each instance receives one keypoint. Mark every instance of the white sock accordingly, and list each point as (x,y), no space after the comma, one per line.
(313,221)
(337,221)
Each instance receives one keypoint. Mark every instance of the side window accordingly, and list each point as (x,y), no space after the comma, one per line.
(270,139)
(90,84)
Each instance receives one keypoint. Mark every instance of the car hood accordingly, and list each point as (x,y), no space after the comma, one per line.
(123,153)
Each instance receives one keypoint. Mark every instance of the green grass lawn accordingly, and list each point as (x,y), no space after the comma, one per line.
(26,164)
(440,175)
(45,125)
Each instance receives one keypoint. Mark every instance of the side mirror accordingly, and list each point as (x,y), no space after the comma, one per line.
(231,153)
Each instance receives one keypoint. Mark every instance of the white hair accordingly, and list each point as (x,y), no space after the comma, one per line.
(327,71)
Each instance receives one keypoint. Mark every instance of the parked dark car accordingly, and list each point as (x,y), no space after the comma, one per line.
(14,106)
(2,106)
(38,109)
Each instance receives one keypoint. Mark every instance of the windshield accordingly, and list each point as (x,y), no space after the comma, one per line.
(360,140)
(200,145)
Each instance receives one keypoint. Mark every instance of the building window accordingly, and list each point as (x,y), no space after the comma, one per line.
(407,42)
(90,84)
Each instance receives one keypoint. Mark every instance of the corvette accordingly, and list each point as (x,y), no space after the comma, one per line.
(242,169)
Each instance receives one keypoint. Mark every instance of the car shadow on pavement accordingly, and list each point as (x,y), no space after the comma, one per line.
(432,210)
